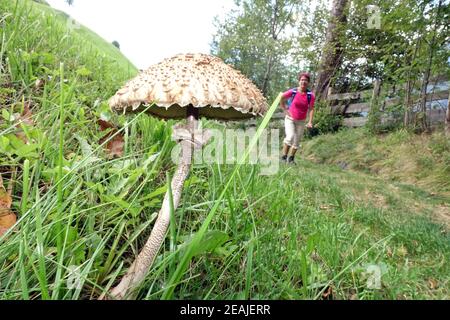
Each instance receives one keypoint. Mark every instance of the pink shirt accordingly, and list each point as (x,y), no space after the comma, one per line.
(299,107)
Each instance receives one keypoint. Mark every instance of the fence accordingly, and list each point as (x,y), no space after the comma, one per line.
(355,112)
(355,106)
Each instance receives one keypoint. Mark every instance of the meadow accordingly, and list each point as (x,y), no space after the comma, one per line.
(369,229)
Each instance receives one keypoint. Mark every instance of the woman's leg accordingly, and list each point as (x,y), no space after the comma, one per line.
(299,128)
(289,128)
(285,151)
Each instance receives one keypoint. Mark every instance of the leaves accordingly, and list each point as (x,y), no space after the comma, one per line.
(115,146)
(26,115)
(11,144)
(84,72)
(88,153)
(254,39)
(7,217)
(114,139)
(26,138)
(328,293)
(432,284)
(6,222)
(212,241)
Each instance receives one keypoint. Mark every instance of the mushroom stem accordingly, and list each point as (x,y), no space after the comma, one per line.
(139,268)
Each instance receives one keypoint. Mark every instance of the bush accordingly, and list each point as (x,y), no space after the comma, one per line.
(324,121)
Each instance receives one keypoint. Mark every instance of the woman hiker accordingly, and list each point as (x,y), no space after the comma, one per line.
(296,102)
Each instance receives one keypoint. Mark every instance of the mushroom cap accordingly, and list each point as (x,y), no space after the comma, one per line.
(205,82)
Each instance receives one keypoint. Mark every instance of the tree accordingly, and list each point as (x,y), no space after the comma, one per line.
(397,51)
(407,48)
(253,38)
(429,65)
(333,50)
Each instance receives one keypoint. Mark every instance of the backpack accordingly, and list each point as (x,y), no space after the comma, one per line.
(294,92)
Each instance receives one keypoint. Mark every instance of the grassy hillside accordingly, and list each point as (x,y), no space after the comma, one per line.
(421,160)
(311,231)
(36,39)
(92,40)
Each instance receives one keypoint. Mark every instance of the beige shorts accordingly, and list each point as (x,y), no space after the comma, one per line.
(294,131)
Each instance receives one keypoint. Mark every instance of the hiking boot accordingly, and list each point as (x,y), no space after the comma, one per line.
(284,158)
(290,160)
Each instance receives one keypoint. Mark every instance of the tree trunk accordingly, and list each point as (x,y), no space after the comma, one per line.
(409,85)
(423,98)
(426,77)
(273,32)
(332,57)
(376,94)
(447,117)
(374,119)
(267,74)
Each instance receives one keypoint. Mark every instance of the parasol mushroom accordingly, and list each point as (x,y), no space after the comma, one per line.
(184,86)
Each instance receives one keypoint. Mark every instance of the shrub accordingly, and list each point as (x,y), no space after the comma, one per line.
(324,121)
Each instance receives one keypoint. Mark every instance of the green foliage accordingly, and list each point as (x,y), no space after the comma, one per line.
(374,119)
(324,120)
(6,95)
(309,35)
(253,38)
(84,72)
(212,241)
(398,50)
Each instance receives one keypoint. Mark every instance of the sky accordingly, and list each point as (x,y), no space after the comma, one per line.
(150,30)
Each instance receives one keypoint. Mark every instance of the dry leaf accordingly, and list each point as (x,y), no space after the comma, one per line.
(328,294)
(114,147)
(26,118)
(7,217)
(352,294)
(6,222)
(432,283)
(39,83)
(105,125)
(5,197)
(21,135)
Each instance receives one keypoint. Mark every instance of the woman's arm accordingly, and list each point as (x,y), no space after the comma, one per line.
(283,105)
(311,111)
(311,115)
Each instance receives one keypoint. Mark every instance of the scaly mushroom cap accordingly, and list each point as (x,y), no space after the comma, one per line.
(200,80)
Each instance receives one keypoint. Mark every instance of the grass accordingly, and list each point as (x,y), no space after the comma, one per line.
(312,231)
(421,160)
